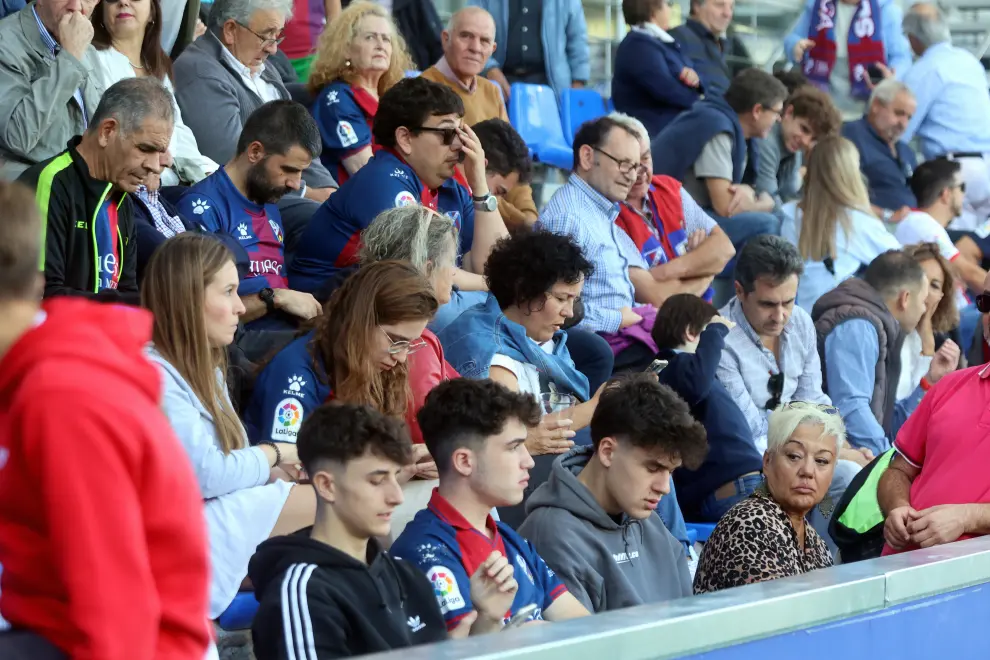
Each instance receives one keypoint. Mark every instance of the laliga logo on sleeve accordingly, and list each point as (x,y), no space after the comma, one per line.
(288,419)
(445,589)
(405,198)
(346,134)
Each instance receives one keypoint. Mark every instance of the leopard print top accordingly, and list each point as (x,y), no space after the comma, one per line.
(755,542)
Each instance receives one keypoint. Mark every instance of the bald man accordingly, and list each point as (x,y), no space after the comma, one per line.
(468,43)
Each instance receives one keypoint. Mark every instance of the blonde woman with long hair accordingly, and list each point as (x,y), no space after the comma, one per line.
(190,286)
(360,56)
(832,225)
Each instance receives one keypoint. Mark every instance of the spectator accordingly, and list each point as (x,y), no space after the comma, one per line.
(127,40)
(953,117)
(595,521)
(861,325)
(223,77)
(680,242)
(545,43)
(357,353)
(809,115)
(84,569)
(691,335)
(710,149)
(935,490)
(125,144)
(476,432)
(419,128)
(939,188)
(833,226)
(353,455)
(48,95)
(766,536)
(886,160)
(155,221)
(239,200)
(508,170)
(653,81)
(303,30)
(191,288)
(842,44)
(792,79)
(360,56)
(702,37)
(921,364)
(468,44)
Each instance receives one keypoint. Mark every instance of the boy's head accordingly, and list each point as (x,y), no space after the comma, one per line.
(476,432)
(680,321)
(353,454)
(642,431)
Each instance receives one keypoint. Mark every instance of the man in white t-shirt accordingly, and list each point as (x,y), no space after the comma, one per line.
(938,185)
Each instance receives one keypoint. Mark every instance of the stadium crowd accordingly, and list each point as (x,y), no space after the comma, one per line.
(282,318)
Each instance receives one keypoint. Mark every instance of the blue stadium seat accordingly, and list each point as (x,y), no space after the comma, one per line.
(240,613)
(533,113)
(692,535)
(578,106)
(703,530)
(609,105)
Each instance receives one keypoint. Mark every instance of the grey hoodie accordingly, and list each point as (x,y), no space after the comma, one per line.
(606,565)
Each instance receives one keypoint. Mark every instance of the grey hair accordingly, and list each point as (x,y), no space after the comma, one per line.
(632,125)
(788,417)
(131,101)
(411,233)
(241,11)
(887,90)
(463,10)
(929,30)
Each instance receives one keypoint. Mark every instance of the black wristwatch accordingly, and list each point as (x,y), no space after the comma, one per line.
(267,296)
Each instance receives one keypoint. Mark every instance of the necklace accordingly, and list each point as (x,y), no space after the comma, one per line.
(135,66)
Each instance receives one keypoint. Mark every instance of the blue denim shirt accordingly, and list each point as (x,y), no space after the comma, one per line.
(852,350)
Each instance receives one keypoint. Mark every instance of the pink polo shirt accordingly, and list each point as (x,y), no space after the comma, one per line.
(948,437)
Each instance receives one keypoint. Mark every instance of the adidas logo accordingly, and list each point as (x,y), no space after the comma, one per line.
(415,625)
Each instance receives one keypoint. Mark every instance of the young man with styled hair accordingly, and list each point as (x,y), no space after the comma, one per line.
(333,587)
(476,432)
(595,519)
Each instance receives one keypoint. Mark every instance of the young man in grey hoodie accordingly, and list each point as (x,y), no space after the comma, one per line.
(595,522)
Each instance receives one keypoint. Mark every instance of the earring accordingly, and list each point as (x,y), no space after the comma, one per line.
(347,64)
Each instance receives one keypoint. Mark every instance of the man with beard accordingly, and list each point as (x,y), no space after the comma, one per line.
(278,142)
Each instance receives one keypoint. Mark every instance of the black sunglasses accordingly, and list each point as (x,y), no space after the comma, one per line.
(983,302)
(447,134)
(775,384)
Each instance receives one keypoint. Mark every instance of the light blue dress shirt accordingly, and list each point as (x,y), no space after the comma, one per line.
(580,211)
(851,353)
(953,102)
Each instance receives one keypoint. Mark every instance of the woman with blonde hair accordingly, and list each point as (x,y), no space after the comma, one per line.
(360,56)
(190,286)
(833,225)
(767,536)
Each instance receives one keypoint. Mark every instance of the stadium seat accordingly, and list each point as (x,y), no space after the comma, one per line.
(609,105)
(240,613)
(703,530)
(692,535)
(578,106)
(533,113)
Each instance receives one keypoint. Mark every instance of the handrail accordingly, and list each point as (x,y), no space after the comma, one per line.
(730,617)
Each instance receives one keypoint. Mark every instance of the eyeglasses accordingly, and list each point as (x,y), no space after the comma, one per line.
(776,111)
(266,42)
(775,385)
(805,405)
(447,133)
(403,346)
(625,166)
(983,302)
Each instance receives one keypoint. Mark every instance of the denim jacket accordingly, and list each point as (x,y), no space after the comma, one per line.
(483,331)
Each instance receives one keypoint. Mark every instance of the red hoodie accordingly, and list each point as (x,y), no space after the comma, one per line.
(102,535)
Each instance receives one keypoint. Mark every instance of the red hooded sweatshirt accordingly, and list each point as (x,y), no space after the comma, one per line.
(102,535)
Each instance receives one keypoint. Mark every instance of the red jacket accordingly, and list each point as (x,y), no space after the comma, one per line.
(102,535)
(427,369)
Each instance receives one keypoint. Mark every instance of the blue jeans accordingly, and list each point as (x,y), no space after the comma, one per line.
(591,355)
(712,508)
(742,227)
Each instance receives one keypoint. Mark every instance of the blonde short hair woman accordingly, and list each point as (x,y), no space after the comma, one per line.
(766,536)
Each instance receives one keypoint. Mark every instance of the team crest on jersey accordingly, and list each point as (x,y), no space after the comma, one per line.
(445,588)
(346,134)
(455,217)
(288,419)
(405,198)
(276,230)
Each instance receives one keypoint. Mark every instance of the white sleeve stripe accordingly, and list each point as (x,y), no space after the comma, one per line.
(297,626)
(904,456)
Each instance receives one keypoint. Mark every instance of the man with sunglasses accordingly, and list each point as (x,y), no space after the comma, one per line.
(422,138)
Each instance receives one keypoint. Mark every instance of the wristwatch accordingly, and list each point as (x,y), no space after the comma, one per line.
(267,296)
(486,202)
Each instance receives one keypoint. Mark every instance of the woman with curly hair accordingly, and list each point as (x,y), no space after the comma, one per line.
(360,56)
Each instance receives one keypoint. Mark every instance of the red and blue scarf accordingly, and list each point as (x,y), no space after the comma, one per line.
(864,45)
